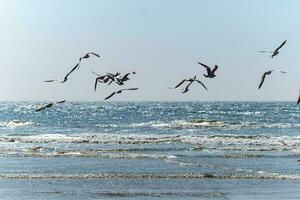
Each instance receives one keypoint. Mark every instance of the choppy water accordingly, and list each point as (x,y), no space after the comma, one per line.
(150,150)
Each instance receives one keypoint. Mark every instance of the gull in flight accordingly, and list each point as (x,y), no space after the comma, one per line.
(210,73)
(276,52)
(43,107)
(119,92)
(265,74)
(191,80)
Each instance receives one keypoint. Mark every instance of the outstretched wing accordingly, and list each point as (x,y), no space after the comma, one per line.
(95,54)
(112,94)
(66,77)
(280,46)
(201,84)
(49,81)
(263,79)
(207,67)
(130,89)
(63,101)
(96,82)
(40,108)
(179,84)
(95,73)
(298,100)
(265,51)
(214,69)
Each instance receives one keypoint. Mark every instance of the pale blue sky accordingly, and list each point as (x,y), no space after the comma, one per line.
(160,39)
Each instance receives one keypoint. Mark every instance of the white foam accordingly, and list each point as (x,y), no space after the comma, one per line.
(16,123)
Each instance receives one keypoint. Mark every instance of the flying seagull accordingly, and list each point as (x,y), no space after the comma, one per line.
(191,80)
(210,73)
(119,92)
(43,107)
(276,52)
(264,76)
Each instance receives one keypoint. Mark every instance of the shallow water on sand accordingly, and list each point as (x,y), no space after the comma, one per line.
(150,150)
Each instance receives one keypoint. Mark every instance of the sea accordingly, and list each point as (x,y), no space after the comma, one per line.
(150,150)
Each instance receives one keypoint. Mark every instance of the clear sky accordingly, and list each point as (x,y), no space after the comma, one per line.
(159,39)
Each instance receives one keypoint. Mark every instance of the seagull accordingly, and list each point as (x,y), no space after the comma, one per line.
(191,80)
(43,107)
(119,92)
(276,52)
(265,74)
(210,73)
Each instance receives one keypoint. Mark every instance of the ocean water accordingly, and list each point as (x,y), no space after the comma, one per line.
(150,150)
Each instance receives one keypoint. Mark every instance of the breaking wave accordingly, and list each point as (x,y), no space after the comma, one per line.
(15,123)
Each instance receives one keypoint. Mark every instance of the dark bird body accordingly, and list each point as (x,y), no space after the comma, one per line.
(119,92)
(210,73)
(43,107)
(87,56)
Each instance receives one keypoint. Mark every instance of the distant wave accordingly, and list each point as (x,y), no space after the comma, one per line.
(198,123)
(155,138)
(43,145)
(209,123)
(15,123)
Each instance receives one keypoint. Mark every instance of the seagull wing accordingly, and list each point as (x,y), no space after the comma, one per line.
(201,84)
(61,101)
(112,94)
(265,51)
(130,89)
(179,84)
(96,82)
(95,54)
(298,100)
(95,73)
(40,108)
(214,69)
(263,78)
(207,67)
(125,76)
(110,82)
(66,77)
(49,81)
(283,72)
(280,46)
